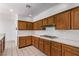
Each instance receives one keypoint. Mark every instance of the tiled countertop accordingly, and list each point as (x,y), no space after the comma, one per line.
(61,40)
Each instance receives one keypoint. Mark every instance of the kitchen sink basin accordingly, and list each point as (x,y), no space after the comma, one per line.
(48,36)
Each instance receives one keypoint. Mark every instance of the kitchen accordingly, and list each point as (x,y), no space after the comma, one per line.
(49,31)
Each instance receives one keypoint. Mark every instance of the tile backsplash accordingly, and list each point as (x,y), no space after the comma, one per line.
(66,34)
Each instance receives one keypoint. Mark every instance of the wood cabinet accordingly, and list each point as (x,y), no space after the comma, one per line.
(24,25)
(56,49)
(36,42)
(47,47)
(51,20)
(24,41)
(28,40)
(21,25)
(75,18)
(29,26)
(62,20)
(69,50)
(45,21)
(41,45)
(34,26)
(0,48)
(50,48)
(33,40)
(37,25)
(2,45)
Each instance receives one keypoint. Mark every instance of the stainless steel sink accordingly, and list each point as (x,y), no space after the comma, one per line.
(48,36)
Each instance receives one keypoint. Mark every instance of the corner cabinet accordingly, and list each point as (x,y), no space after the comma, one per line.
(37,25)
(62,20)
(24,41)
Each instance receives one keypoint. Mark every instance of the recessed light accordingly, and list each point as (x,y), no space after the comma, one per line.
(30,15)
(11,10)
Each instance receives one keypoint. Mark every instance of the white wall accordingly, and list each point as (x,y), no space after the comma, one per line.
(8,26)
(24,33)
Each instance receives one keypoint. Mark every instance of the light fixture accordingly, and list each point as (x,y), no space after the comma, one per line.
(29,10)
(11,10)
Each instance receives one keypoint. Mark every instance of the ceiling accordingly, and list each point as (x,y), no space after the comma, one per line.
(22,11)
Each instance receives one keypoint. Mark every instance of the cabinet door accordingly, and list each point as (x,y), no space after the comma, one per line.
(28,40)
(40,22)
(33,40)
(62,20)
(47,47)
(36,42)
(55,51)
(21,25)
(51,20)
(35,25)
(29,26)
(45,21)
(22,42)
(75,18)
(41,45)
(70,50)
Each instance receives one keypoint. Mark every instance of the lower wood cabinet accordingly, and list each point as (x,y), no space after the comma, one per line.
(33,40)
(41,45)
(47,47)
(28,40)
(2,45)
(50,48)
(69,50)
(56,49)
(24,41)
(0,48)
(36,42)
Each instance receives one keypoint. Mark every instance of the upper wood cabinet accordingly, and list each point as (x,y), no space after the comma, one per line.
(62,20)
(29,25)
(24,25)
(51,20)
(37,25)
(75,18)
(21,25)
(45,21)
